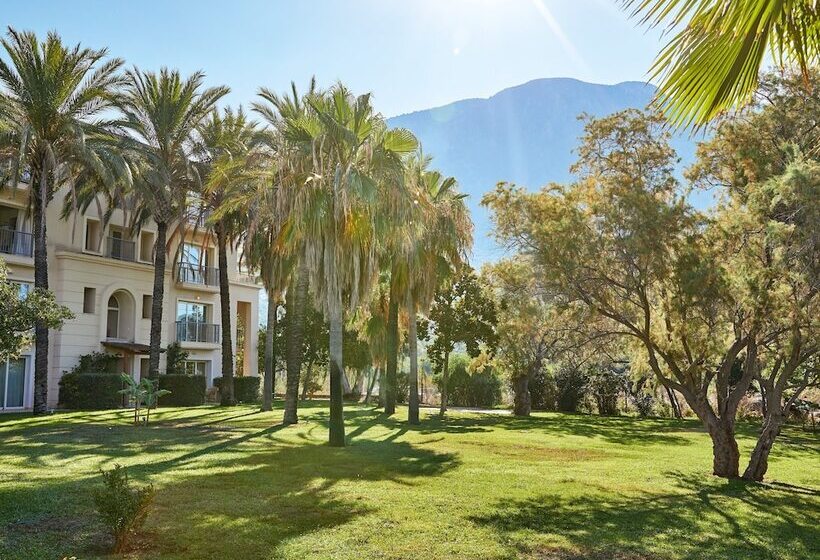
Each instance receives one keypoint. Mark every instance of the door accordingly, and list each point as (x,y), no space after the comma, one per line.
(12,383)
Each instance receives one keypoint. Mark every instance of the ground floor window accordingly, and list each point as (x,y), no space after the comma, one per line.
(12,383)
(196,367)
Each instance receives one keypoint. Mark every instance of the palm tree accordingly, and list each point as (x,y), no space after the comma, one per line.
(712,61)
(162,112)
(355,165)
(54,102)
(225,155)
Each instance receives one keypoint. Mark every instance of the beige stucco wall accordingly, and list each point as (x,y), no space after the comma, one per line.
(72,269)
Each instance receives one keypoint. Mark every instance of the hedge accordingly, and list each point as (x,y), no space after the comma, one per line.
(245,388)
(186,390)
(91,391)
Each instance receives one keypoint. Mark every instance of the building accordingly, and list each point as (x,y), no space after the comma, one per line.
(105,276)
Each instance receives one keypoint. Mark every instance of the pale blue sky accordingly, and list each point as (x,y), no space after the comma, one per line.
(412,55)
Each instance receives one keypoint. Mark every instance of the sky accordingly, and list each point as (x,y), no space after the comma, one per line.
(412,54)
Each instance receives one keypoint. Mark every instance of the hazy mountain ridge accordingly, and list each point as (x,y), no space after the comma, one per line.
(524,134)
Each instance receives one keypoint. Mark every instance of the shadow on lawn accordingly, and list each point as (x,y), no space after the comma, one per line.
(702,519)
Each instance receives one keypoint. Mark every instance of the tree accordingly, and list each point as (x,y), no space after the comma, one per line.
(162,112)
(355,168)
(712,61)
(54,107)
(224,154)
(20,311)
(463,311)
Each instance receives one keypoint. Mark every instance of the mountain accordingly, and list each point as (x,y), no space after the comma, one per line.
(525,135)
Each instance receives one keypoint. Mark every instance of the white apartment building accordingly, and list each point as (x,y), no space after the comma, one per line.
(106,278)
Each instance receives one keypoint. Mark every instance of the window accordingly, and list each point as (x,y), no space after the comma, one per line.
(113,325)
(89,298)
(190,312)
(92,235)
(147,304)
(146,246)
(23,289)
(192,254)
(196,367)
(12,383)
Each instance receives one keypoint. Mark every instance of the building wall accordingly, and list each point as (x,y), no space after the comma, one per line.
(73,269)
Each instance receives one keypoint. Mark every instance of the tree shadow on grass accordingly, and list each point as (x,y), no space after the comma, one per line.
(705,518)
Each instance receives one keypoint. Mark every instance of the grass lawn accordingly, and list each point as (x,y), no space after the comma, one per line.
(234,484)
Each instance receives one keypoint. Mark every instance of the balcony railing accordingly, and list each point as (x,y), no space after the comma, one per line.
(194,274)
(120,249)
(13,242)
(194,331)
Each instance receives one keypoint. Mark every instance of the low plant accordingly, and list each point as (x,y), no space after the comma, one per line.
(144,393)
(122,507)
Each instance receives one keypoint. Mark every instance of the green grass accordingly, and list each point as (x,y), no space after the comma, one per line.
(232,483)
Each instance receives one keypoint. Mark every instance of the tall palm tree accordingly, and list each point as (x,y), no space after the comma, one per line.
(355,166)
(226,155)
(162,112)
(712,61)
(54,103)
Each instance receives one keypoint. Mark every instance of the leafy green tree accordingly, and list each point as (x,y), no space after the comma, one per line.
(162,112)
(463,311)
(54,118)
(713,59)
(19,313)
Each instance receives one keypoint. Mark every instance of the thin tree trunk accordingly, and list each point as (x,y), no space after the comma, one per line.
(270,353)
(337,427)
(673,401)
(412,343)
(382,384)
(297,300)
(226,392)
(392,354)
(444,377)
(306,382)
(522,403)
(759,461)
(155,341)
(372,383)
(40,283)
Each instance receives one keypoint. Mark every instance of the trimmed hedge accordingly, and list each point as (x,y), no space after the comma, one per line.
(91,391)
(186,390)
(246,389)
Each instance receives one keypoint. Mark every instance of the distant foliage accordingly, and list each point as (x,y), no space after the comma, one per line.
(480,389)
(245,388)
(571,382)
(605,384)
(175,358)
(122,507)
(543,390)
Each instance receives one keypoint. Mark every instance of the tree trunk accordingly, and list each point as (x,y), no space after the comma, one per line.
(371,384)
(270,352)
(759,461)
(392,354)
(382,383)
(40,283)
(412,343)
(306,381)
(337,426)
(522,403)
(673,401)
(226,393)
(297,300)
(444,377)
(725,454)
(155,341)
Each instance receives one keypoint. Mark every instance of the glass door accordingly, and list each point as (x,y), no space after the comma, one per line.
(12,383)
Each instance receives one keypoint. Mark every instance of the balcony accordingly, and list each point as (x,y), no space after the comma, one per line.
(194,331)
(120,249)
(187,273)
(13,242)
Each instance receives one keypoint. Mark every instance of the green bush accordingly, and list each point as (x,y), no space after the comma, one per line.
(572,384)
(175,358)
(246,389)
(543,390)
(186,390)
(123,509)
(90,391)
(98,362)
(482,388)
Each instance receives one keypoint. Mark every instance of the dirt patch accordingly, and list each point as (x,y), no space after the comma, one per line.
(539,453)
(577,554)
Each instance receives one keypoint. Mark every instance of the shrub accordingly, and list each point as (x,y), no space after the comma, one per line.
(175,358)
(246,388)
(186,390)
(571,382)
(98,362)
(123,509)
(605,385)
(402,386)
(482,388)
(543,390)
(91,391)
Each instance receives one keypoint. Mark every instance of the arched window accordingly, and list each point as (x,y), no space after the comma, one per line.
(113,325)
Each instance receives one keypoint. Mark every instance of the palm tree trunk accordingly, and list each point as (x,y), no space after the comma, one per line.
(382,384)
(392,354)
(306,380)
(297,300)
(270,352)
(226,393)
(337,426)
(444,377)
(40,283)
(155,341)
(412,343)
